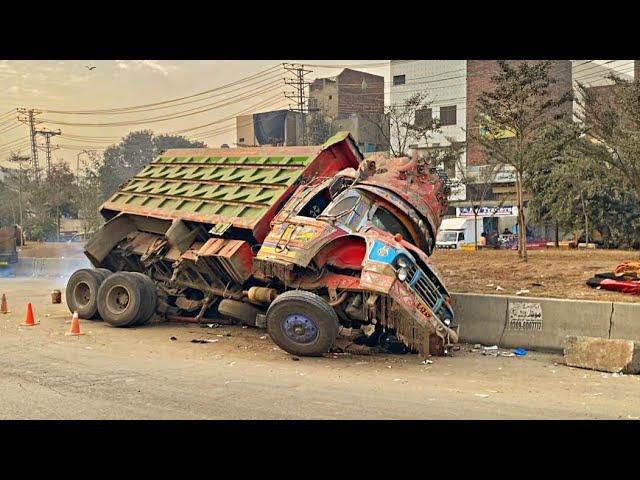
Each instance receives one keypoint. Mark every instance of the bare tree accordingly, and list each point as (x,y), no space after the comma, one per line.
(408,122)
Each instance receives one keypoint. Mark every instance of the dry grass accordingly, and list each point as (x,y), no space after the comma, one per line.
(548,273)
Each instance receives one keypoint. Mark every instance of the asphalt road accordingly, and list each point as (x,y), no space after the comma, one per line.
(141,373)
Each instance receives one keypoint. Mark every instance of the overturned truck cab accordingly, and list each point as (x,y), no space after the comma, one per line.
(298,240)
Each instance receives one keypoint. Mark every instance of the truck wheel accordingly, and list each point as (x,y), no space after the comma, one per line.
(239,311)
(103,272)
(121,299)
(150,298)
(82,293)
(302,323)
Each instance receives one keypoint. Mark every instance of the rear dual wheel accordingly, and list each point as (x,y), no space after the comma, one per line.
(127,299)
(82,291)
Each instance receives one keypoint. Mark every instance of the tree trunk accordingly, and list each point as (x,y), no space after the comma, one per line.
(475,228)
(522,229)
(557,241)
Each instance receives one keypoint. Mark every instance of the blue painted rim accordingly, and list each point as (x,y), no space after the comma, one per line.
(300,328)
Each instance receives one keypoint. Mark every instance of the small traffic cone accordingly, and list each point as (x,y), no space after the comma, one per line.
(30,320)
(75,326)
(4,308)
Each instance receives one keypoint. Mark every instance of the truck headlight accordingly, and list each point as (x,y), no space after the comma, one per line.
(402,262)
(402,274)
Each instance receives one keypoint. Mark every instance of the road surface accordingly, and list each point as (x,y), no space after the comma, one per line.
(141,373)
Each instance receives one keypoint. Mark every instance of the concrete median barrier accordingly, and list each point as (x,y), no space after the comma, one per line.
(625,321)
(481,317)
(544,323)
(541,323)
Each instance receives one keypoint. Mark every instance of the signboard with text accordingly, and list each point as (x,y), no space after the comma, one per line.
(504,211)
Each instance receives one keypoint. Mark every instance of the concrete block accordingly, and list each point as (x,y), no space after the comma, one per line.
(603,354)
(481,317)
(543,323)
(625,321)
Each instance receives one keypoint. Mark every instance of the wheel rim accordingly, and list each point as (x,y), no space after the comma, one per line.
(118,299)
(300,328)
(82,294)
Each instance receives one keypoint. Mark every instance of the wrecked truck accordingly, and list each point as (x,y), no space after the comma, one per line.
(298,240)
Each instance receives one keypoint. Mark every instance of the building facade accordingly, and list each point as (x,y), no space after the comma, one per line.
(446,83)
(353,101)
(278,127)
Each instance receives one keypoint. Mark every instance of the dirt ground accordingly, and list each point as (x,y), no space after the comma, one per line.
(141,373)
(548,273)
(52,250)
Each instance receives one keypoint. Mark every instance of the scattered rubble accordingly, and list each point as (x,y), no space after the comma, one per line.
(204,340)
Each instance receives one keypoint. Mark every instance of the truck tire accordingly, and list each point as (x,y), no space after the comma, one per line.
(302,323)
(121,299)
(103,272)
(81,293)
(150,298)
(239,311)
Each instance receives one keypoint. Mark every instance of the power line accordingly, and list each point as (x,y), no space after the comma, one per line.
(133,108)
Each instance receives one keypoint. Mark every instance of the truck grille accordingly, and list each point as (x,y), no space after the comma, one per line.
(422,285)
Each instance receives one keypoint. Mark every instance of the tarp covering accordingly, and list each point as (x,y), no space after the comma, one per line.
(269,127)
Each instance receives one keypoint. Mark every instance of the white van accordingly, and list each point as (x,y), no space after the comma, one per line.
(455,232)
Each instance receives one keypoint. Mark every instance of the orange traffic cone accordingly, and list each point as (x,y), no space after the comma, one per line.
(4,308)
(75,325)
(30,320)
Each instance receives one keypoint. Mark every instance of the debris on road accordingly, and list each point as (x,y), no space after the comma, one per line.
(426,362)
(56,296)
(520,352)
(482,395)
(603,354)
(492,347)
(210,325)
(295,359)
(499,288)
(523,291)
(204,340)
(173,338)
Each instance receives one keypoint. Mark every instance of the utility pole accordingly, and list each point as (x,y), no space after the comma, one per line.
(299,93)
(86,152)
(47,134)
(16,157)
(28,117)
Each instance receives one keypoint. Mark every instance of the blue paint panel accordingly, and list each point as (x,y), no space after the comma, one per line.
(383,253)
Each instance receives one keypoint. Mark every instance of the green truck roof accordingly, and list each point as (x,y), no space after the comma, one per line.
(238,186)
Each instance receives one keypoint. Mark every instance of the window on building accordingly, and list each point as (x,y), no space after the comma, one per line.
(424,117)
(241,140)
(448,115)
(399,79)
(330,97)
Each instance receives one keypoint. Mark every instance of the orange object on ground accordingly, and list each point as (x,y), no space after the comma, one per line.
(75,325)
(4,308)
(628,269)
(30,319)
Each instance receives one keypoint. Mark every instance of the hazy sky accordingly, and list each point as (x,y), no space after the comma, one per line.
(69,86)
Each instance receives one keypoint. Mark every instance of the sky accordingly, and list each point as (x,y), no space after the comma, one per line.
(69,86)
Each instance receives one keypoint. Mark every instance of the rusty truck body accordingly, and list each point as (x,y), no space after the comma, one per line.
(10,238)
(297,240)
